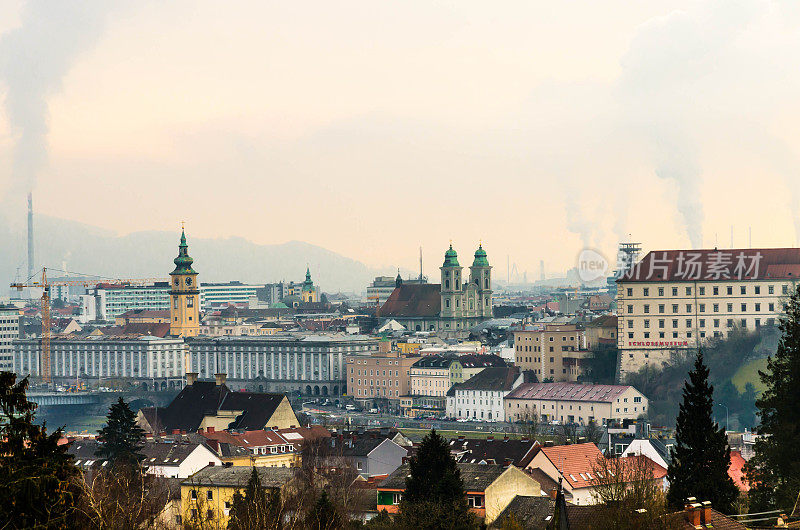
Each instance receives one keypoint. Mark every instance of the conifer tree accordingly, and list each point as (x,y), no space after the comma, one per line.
(324,515)
(434,494)
(773,473)
(255,509)
(39,483)
(701,456)
(121,440)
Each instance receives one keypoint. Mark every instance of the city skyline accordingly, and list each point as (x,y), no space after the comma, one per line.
(370,130)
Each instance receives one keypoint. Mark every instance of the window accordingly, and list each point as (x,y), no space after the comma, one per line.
(785,289)
(688,308)
(688,322)
(210,495)
(730,290)
(646,323)
(743,289)
(716,291)
(660,291)
(674,323)
(646,291)
(630,291)
(744,308)
(730,308)
(688,291)
(646,308)
(660,308)
(193,495)
(630,308)
(771,289)
(702,291)
(757,289)
(702,308)
(702,322)
(660,322)
(674,308)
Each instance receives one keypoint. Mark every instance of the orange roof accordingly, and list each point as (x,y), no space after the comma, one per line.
(736,472)
(575,462)
(659,471)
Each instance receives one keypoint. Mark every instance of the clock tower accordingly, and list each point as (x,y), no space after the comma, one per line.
(184,294)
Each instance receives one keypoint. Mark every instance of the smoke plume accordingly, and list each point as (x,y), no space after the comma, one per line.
(34,58)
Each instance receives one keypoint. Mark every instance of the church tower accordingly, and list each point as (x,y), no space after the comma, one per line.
(480,273)
(451,285)
(184,307)
(309,292)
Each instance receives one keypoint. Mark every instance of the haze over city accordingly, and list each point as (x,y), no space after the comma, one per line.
(373,128)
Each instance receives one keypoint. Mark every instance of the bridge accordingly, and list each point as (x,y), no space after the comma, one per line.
(99,400)
(53,399)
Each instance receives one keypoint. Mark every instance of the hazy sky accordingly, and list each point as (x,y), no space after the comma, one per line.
(371,128)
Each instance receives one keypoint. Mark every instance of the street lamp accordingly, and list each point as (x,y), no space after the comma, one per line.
(726,416)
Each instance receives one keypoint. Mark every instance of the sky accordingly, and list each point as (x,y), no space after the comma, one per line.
(372,128)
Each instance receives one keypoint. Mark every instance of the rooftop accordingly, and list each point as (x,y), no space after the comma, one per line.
(476,477)
(238,476)
(569,392)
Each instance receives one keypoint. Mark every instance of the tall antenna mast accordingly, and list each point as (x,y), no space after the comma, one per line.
(30,235)
(420,264)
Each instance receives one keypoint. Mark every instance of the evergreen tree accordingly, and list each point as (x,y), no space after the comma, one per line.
(701,456)
(434,496)
(39,483)
(324,515)
(255,508)
(121,440)
(774,471)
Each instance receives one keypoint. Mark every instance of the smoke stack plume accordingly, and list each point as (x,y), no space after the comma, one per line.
(30,235)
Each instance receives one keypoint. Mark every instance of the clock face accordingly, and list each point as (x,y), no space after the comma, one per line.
(188,281)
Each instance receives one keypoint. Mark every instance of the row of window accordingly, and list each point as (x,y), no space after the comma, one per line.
(702,307)
(715,290)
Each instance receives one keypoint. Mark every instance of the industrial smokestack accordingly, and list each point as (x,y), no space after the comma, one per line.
(30,234)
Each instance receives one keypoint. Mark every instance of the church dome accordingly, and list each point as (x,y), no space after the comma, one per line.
(450,257)
(480,258)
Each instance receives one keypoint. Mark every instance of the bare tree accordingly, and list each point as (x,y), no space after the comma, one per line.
(631,496)
(592,432)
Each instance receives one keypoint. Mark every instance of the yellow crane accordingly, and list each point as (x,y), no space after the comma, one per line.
(45,368)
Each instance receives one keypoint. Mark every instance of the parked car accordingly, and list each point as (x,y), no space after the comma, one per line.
(350,407)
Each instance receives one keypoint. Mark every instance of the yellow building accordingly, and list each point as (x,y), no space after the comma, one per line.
(675,301)
(259,448)
(554,353)
(184,307)
(309,292)
(207,496)
(409,347)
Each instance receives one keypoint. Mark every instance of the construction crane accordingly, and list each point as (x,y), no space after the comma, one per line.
(44,284)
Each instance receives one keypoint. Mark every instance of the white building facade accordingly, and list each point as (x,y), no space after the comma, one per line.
(214,295)
(309,364)
(153,361)
(105,302)
(9,331)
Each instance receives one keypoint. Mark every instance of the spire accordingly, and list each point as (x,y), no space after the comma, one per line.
(183,263)
(398,281)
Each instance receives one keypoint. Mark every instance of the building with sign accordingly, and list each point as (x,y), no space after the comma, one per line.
(674,300)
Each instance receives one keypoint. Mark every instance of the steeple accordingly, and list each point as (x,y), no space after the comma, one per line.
(399,280)
(450,258)
(183,263)
(480,257)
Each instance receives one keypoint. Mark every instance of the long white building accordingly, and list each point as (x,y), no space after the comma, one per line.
(310,364)
(221,294)
(105,302)
(146,359)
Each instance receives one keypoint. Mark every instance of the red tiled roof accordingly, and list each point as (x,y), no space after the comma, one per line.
(658,470)
(413,300)
(711,264)
(574,462)
(568,392)
(736,472)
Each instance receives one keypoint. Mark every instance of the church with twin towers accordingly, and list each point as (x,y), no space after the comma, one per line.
(456,304)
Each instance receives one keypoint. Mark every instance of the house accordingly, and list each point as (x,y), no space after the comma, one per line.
(491,450)
(572,464)
(369,455)
(701,515)
(264,448)
(175,459)
(736,471)
(481,396)
(574,403)
(208,494)
(653,448)
(211,404)
(489,488)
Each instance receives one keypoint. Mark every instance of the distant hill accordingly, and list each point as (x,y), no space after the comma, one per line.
(92,250)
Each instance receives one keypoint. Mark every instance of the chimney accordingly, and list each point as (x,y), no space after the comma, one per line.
(209,430)
(694,512)
(221,378)
(706,511)
(191,378)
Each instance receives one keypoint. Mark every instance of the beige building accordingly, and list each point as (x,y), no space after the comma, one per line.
(553,352)
(378,376)
(574,403)
(674,301)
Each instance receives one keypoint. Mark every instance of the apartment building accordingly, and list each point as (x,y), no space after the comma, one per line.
(675,300)
(9,331)
(214,295)
(574,403)
(105,301)
(374,379)
(481,396)
(554,352)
